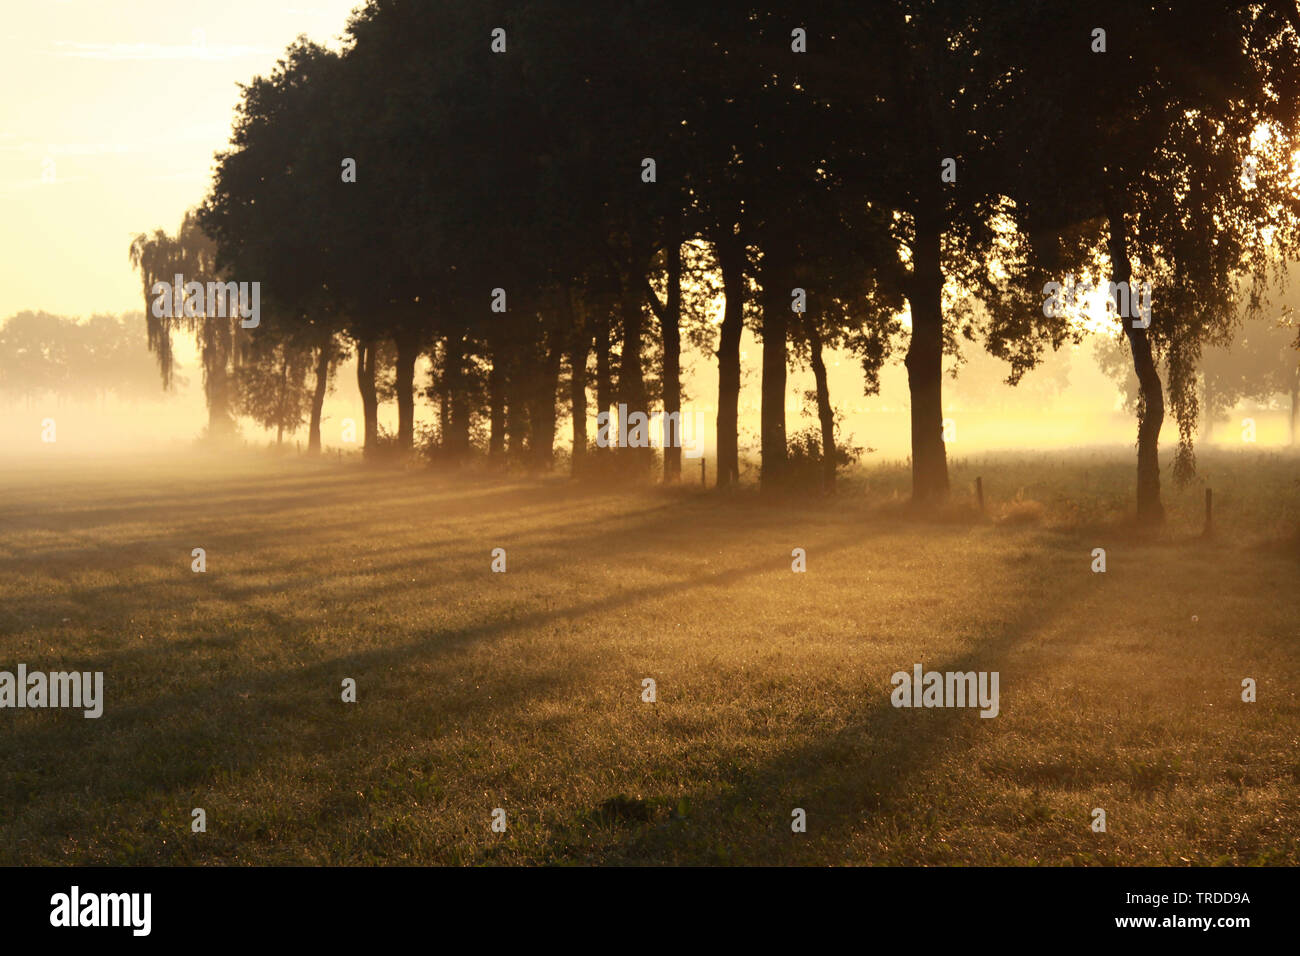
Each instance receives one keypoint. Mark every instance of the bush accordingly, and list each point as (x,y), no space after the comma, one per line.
(1022,510)
(804,460)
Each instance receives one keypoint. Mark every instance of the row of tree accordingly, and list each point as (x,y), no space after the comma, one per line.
(1259,364)
(43,355)
(540,202)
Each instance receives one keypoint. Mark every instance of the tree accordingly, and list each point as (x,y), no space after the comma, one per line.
(190,254)
(273,387)
(1136,160)
(51,355)
(920,81)
(1261,361)
(274,208)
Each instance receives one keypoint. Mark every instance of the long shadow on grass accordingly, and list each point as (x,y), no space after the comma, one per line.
(221,518)
(229,555)
(866,770)
(173,742)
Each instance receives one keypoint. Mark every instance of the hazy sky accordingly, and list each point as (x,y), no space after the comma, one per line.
(123,104)
(111,114)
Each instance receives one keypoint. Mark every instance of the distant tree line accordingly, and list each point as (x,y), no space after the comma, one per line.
(44,356)
(538,198)
(1253,361)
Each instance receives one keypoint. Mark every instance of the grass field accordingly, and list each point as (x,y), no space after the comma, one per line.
(522,690)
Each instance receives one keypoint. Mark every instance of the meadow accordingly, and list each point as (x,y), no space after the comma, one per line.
(523,690)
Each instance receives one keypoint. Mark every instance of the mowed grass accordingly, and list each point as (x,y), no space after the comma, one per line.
(523,690)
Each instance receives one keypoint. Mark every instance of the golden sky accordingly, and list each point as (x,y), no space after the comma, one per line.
(111,114)
(122,104)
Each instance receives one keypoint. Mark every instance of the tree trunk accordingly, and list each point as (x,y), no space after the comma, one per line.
(924,360)
(631,375)
(1208,411)
(670,324)
(517,397)
(542,411)
(444,399)
(408,349)
(1151,405)
(824,412)
(219,417)
(497,405)
(216,377)
(458,396)
(215,355)
(369,398)
(280,410)
(731,261)
(324,355)
(1295,397)
(776,322)
(604,379)
(579,347)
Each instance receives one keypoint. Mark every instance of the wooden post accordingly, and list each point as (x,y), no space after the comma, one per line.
(979,492)
(703,481)
(1209,510)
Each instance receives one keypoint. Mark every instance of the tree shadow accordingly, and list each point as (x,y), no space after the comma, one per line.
(845,780)
(170,729)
